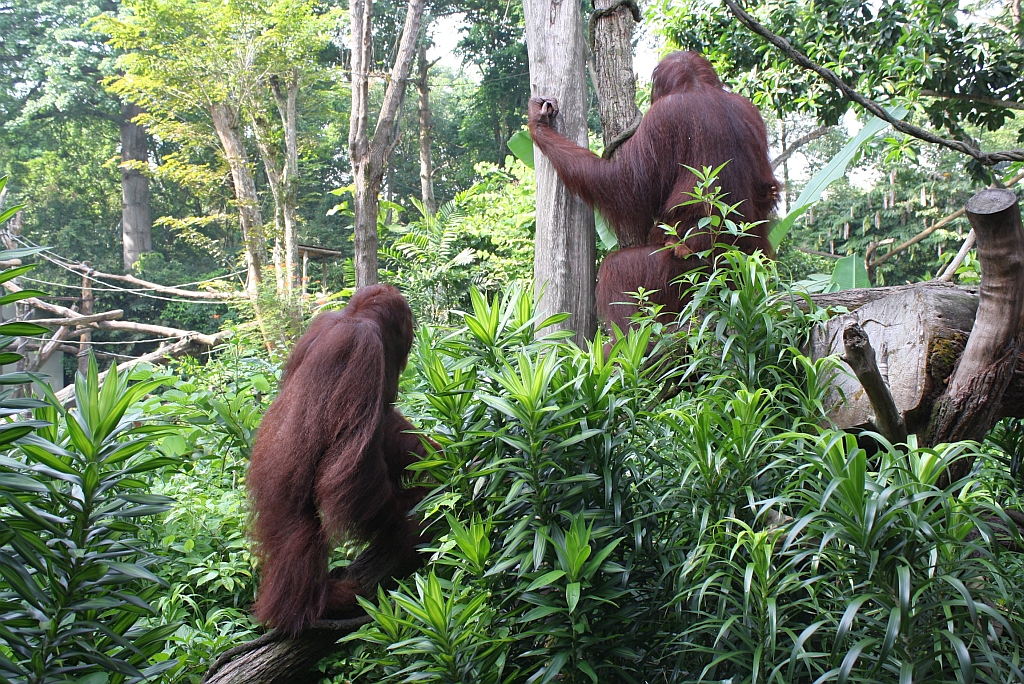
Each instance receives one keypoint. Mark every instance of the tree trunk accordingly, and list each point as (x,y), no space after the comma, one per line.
(565,247)
(136,226)
(225,121)
(612,46)
(426,163)
(286,106)
(272,167)
(369,157)
(968,408)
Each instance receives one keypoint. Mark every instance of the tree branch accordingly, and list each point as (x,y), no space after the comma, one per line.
(797,144)
(860,356)
(980,99)
(986,158)
(93,274)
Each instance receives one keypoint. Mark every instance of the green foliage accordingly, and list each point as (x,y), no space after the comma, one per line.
(482,238)
(206,562)
(833,171)
(907,49)
(76,588)
(587,529)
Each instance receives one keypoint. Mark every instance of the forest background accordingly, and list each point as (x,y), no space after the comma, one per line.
(102,99)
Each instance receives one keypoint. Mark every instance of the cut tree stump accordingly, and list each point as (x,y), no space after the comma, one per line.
(952,358)
(917,335)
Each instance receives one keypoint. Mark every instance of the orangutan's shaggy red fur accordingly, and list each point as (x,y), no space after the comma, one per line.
(329,459)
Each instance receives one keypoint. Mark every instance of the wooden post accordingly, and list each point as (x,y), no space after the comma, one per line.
(86,336)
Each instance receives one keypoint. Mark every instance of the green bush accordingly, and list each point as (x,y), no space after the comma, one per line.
(76,580)
(204,551)
(590,529)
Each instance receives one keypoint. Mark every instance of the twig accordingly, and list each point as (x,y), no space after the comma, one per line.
(980,99)
(986,158)
(860,356)
(950,270)
(94,275)
(46,350)
(797,144)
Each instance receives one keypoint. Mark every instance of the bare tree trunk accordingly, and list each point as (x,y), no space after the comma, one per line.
(426,163)
(136,226)
(225,121)
(968,408)
(611,36)
(370,157)
(286,106)
(565,247)
(272,167)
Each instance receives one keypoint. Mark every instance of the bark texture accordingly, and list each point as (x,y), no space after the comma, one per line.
(426,128)
(286,92)
(136,225)
(370,157)
(861,358)
(229,130)
(565,247)
(969,406)
(611,35)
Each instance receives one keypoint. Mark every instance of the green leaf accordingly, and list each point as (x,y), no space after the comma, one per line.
(11,212)
(12,297)
(8,254)
(521,145)
(545,579)
(832,172)
(850,273)
(22,329)
(11,273)
(572,595)
(605,231)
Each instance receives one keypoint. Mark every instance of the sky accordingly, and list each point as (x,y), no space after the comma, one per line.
(445,32)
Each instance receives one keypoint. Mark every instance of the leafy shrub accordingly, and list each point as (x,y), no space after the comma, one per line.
(588,529)
(205,555)
(77,584)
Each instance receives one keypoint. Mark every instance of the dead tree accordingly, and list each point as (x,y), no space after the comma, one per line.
(951,359)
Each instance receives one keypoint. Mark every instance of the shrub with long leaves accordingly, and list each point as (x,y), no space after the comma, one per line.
(589,530)
(76,583)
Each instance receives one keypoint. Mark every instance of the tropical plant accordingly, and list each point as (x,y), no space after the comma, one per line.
(425,257)
(76,582)
(591,528)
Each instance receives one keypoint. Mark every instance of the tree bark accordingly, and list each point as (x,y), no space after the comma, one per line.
(611,35)
(136,225)
(226,122)
(369,157)
(286,98)
(565,246)
(968,408)
(272,167)
(861,358)
(426,163)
